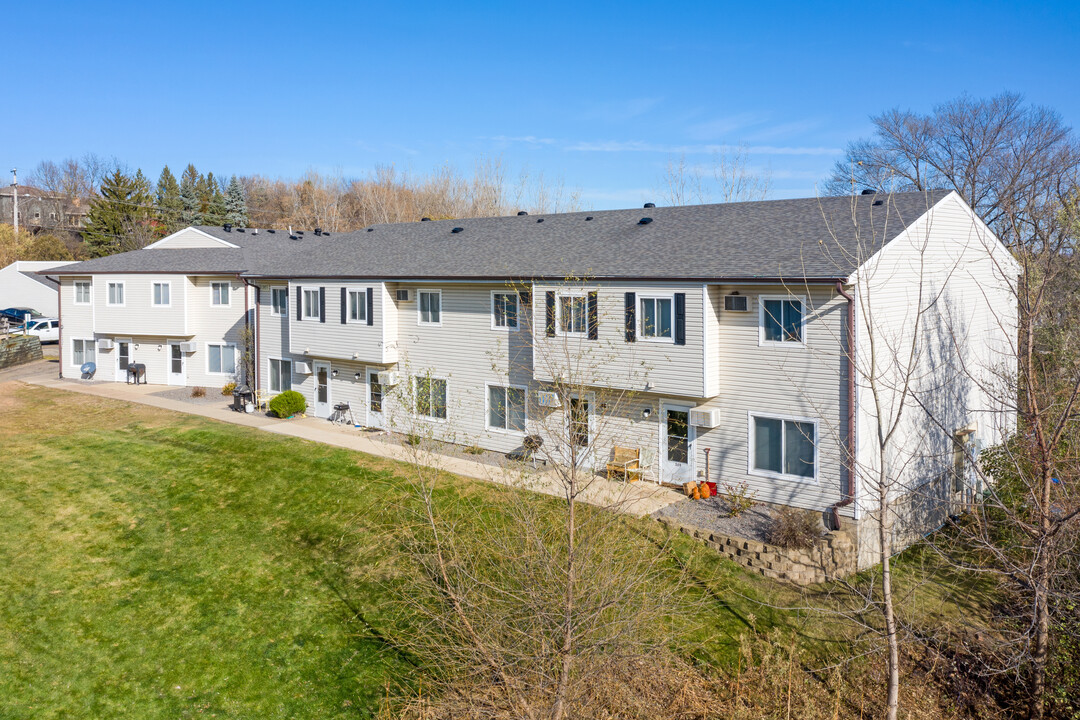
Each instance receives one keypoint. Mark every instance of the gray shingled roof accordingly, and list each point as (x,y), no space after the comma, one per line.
(813,238)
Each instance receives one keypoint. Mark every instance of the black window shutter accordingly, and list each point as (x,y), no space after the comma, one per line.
(680,318)
(550,324)
(299,303)
(370,306)
(631,317)
(322,304)
(344,305)
(594,316)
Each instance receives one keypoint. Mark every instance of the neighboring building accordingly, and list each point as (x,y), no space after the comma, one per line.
(711,336)
(41,211)
(21,285)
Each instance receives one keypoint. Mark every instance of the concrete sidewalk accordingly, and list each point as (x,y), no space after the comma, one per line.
(636,499)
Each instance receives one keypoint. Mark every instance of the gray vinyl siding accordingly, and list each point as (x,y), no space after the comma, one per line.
(610,361)
(332,339)
(139,316)
(797,381)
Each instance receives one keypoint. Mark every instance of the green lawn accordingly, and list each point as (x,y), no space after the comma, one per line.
(161,565)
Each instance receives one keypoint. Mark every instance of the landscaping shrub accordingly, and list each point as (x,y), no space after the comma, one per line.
(287,404)
(198,392)
(793,528)
(474,450)
(739,498)
(227,388)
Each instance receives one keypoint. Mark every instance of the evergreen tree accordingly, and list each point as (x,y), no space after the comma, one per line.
(215,203)
(236,204)
(119,218)
(190,212)
(167,201)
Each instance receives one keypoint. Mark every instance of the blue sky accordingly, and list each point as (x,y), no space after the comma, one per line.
(598,95)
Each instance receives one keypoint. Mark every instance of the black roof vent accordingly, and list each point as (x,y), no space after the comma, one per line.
(271,231)
(869,191)
(650,205)
(425,219)
(370,229)
(539,220)
(227,227)
(644,221)
(318,231)
(878,202)
(457,230)
(588,217)
(326,234)
(522,212)
(294,237)
(239,229)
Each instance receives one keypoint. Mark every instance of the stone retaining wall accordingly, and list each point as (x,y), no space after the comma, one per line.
(19,350)
(832,556)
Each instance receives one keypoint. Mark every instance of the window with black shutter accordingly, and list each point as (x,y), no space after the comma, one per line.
(549,324)
(680,318)
(299,303)
(322,304)
(370,306)
(594,316)
(344,305)
(631,316)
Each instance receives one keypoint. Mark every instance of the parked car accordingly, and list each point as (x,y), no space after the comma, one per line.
(47,329)
(16,315)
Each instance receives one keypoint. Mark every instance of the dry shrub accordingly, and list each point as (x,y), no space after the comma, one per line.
(738,497)
(772,679)
(198,392)
(227,388)
(793,528)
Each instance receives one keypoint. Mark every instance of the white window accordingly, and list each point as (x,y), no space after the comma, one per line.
(279,300)
(82,351)
(504,310)
(311,304)
(429,307)
(82,292)
(280,375)
(506,408)
(430,397)
(358,306)
(656,318)
(573,313)
(781,320)
(783,447)
(220,358)
(219,293)
(116,293)
(162,291)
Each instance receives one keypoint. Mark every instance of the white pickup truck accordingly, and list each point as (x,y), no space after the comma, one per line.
(47,329)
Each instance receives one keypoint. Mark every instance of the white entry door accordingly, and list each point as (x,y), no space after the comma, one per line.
(322,389)
(123,359)
(177,364)
(580,431)
(676,444)
(375,401)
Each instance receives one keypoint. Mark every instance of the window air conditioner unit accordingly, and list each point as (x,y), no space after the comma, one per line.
(302,368)
(188,346)
(403,296)
(736,303)
(391,377)
(705,417)
(104,344)
(548,399)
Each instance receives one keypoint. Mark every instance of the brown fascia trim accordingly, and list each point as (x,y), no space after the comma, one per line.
(713,280)
(227,273)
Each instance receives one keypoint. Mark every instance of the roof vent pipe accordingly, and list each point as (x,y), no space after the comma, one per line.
(650,205)
(318,231)
(227,227)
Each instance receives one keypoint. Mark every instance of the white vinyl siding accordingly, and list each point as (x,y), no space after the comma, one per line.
(220,359)
(162,294)
(219,294)
(279,301)
(116,294)
(506,408)
(82,292)
(429,307)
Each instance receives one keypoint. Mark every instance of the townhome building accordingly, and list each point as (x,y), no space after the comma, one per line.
(752,344)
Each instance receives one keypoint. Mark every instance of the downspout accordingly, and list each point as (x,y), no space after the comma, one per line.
(60,328)
(848,491)
(252,381)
